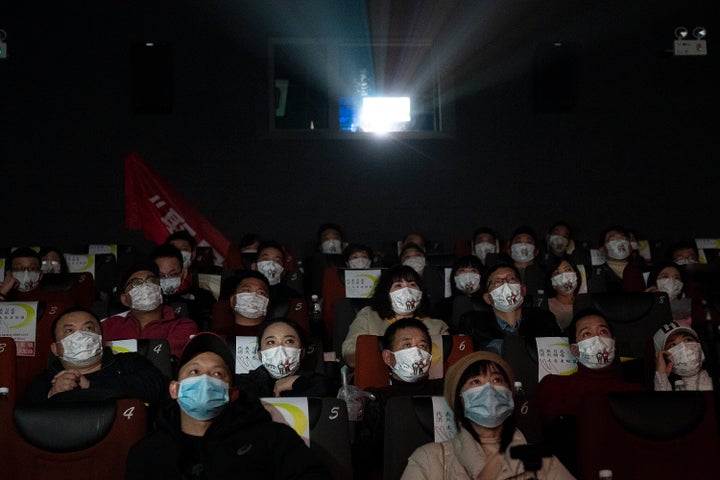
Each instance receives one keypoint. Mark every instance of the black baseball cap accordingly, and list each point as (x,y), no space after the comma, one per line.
(207,342)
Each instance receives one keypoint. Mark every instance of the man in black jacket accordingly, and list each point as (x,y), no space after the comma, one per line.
(84,370)
(212,431)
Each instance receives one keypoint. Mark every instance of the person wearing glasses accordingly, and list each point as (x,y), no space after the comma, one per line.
(148,317)
(504,293)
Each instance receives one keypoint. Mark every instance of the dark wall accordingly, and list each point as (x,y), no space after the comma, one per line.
(632,146)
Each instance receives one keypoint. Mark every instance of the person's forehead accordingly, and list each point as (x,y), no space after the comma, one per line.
(590,321)
(279,329)
(181,244)
(683,252)
(251,282)
(615,234)
(502,272)
(144,274)
(523,238)
(76,319)
(168,263)
(561,230)
(205,361)
(413,252)
(271,252)
(682,335)
(409,333)
(484,237)
(669,271)
(25,261)
(330,232)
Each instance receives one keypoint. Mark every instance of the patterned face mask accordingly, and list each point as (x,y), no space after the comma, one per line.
(507,297)
(405,300)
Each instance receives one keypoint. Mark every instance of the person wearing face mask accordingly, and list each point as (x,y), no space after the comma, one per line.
(183,241)
(617,274)
(148,317)
(478,389)
(282,347)
(523,252)
(679,356)
(249,303)
(81,369)
(466,290)
(485,242)
(398,294)
(504,294)
(413,256)
(176,291)
(592,342)
(407,352)
(358,256)
(671,279)
(562,284)
(25,281)
(327,253)
(209,429)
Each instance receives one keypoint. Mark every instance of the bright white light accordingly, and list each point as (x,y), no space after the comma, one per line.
(384,114)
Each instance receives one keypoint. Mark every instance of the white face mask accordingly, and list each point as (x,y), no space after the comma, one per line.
(483,248)
(271,270)
(170,285)
(468,282)
(82,348)
(558,243)
(522,252)
(618,249)
(187,258)
(332,246)
(411,364)
(26,280)
(359,262)
(417,263)
(596,352)
(281,361)
(507,297)
(146,297)
(687,358)
(564,282)
(672,286)
(406,300)
(251,304)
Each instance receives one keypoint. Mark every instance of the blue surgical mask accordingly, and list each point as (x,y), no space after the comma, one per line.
(203,397)
(488,405)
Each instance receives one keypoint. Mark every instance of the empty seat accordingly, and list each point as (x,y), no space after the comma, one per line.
(649,435)
(73,440)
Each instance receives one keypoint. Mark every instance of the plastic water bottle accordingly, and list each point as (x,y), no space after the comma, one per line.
(520,398)
(316,308)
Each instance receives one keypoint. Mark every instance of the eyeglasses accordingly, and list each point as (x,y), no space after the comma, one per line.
(496,282)
(137,281)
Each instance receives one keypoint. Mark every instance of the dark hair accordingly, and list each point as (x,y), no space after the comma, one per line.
(229,285)
(586,312)
(389,336)
(482,367)
(302,336)
(47,249)
(182,235)
(560,223)
(141,263)
(354,248)
(422,237)
(680,245)
(271,244)
(553,264)
(652,278)
(72,310)
(248,239)
(167,250)
(381,298)
(329,226)
(606,230)
(524,230)
(495,268)
(484,230)
(413,246)
(468,261)
(22,252)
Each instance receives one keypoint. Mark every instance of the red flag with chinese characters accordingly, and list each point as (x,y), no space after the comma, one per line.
(153,206)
